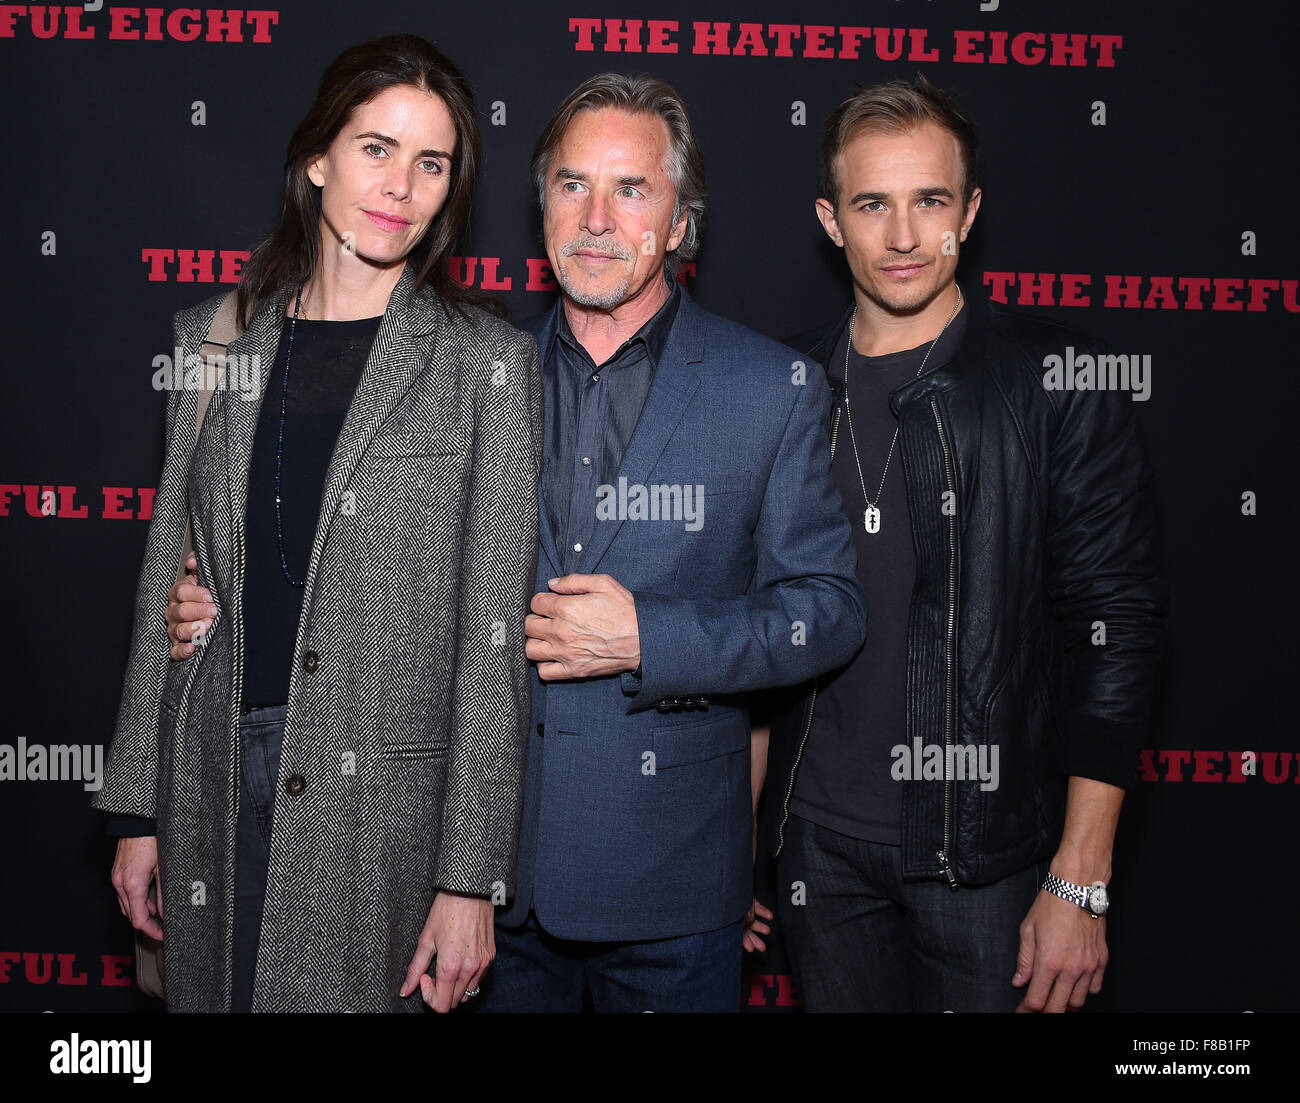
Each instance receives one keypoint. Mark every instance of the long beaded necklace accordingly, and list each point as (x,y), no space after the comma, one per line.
(871,517)
(279,449)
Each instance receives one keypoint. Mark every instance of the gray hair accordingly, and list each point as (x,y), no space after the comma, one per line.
(644,95)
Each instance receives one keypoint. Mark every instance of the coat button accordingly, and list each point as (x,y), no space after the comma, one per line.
(310,661)
(295,785)
(541,729)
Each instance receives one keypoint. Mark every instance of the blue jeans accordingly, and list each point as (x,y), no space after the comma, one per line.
(535,971)
(866,940)
(261,733)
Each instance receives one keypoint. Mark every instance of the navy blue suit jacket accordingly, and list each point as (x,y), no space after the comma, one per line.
(637,820)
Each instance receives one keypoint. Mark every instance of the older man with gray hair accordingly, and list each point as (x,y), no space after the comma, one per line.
(693,549)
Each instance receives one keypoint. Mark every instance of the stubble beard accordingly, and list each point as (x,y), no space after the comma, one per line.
(907,301)
(597,300)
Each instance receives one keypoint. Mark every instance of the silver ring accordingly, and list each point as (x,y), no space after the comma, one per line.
(473,991)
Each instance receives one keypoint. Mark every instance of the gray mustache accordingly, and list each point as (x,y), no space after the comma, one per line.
(591,245)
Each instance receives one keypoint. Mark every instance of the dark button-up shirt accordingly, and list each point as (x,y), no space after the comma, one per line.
(591,412)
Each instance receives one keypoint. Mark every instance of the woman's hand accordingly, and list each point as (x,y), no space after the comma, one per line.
(459,934)
(135,866)
(190,610)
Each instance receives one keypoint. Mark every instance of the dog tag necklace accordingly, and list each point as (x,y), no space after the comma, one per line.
(871,515)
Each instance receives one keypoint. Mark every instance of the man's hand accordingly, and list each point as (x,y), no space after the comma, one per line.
(754,926)
(135,866)
(584,628)
(459,933)
(1062,955)
(190,610)
(1062,947)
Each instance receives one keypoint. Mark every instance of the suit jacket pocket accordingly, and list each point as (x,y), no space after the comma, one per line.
(682,744)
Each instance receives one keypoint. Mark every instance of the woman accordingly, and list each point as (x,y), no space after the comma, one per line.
(335,773)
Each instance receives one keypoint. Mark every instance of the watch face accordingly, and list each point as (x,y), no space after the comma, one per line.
(1098,901)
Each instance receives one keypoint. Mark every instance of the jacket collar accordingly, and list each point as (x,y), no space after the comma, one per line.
(653,335)
(687,323)
(970,356)
(411,312)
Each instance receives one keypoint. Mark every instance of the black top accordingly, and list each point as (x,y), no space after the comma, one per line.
(328,358)
(592,411)
(327,361)
(844,781)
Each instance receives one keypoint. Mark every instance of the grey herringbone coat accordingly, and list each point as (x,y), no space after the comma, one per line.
(409,725)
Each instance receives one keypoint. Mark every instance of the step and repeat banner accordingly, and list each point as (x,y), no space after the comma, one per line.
(1136,169)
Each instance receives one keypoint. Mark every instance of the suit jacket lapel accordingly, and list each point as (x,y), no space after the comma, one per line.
(400,351)
(675,381)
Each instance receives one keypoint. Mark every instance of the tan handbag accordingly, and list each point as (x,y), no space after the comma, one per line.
(224,329)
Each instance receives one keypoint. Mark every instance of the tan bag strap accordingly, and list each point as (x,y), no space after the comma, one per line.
(224,329)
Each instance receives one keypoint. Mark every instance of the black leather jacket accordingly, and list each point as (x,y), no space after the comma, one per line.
(1050,528)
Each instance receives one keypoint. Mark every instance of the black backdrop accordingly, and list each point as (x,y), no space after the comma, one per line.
(119,206)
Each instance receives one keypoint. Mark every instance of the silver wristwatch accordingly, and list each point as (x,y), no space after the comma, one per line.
(1091,898)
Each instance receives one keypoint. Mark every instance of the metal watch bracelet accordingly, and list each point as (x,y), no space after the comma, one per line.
(1091,898)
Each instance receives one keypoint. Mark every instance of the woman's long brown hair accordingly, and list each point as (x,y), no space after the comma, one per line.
(290,254)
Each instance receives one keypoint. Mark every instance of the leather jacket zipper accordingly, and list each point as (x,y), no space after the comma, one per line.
(944,856)
(812,698)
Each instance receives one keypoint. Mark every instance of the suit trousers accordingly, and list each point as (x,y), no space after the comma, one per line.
(535,971)
(261,733)
(863,939)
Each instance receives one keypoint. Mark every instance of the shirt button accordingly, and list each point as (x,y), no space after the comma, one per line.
(577,547)
(586,461)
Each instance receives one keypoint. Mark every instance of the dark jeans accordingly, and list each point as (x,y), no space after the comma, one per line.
(866,940)
(535,971)
(261,732)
